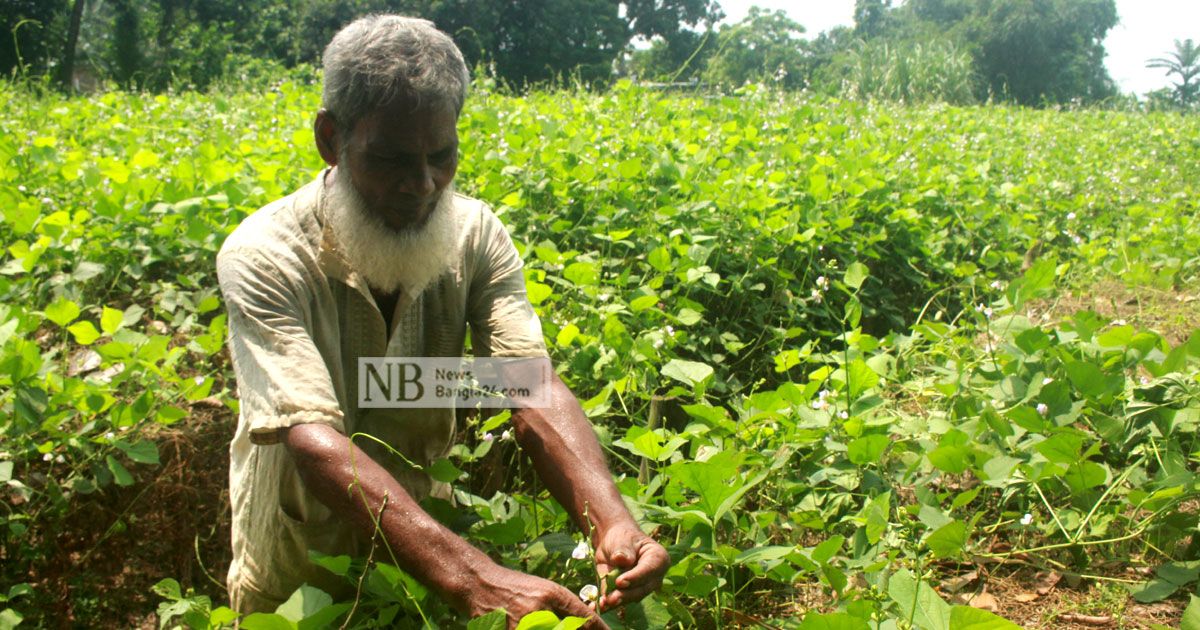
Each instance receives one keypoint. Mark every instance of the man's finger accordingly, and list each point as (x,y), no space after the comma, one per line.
(628,595)
(651,565)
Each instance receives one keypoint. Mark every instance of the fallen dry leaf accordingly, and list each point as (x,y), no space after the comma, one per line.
(984,601)
(1047,580)
(1025,598)
(1087,620)
(959,582)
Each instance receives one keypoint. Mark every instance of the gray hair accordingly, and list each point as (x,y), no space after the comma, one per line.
(378,58)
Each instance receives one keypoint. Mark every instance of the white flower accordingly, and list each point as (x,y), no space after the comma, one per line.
(822,283)
(199,380)
(589,593)
(507,435)
(995,285)
(819,404)
(110,435)
(1043,409)
(21,188)
(816,295)
(580,552)
(1047,380)
(47,200)
(1143,380)
(1070,217)
(670,330)
(47,457)
(488,437)
(1027,519)
(843,414)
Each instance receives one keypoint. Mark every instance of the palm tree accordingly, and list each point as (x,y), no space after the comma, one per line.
(1185,62)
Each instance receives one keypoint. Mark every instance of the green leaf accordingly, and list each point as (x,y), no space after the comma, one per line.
(445,471)
(266,621)
(10,619)
(120,473)
(918,601)
(953,459)
(62,311)
(969,618)
(337,565)
(867,449)
(540,620)
(167,588)
(856,274)
(714,480)
(643,302)
(111,320)
(142,451)
(1061,448)
(1154,591)
(860,378)
(495,620)
(650,444)
(1191,615)
(877,515)
(833,621)
(949,540)
(630,168)
(582,274)
(687,372)
(660,259)
(84,332)
(1088,379)
(305,601)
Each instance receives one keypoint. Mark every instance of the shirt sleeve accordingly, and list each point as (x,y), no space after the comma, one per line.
(282,378)
(503,323)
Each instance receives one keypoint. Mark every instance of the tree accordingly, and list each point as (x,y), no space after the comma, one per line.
(766,46)
(1029,51)
(869,16)
(28,37)
(678,58)
(1185,62)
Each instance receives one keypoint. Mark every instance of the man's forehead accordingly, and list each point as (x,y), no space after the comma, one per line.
(389,126)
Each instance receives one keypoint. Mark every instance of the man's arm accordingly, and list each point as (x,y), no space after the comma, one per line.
(567,457)
(349,482)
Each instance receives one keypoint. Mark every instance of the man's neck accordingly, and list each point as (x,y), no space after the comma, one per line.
(386,302)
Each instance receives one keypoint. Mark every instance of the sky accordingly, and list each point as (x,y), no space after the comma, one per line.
(1148,28)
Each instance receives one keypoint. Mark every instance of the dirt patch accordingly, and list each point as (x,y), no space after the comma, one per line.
(1172,314)
(117,543)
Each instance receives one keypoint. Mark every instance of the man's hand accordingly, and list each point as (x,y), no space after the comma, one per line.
(641,561)
(520,594)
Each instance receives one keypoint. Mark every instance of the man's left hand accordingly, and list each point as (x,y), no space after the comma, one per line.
(641,561)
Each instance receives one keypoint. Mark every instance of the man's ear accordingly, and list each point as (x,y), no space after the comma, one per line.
(328,139)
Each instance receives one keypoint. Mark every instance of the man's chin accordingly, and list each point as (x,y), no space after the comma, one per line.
(409,221)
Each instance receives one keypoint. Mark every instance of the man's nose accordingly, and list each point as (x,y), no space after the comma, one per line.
(419,182)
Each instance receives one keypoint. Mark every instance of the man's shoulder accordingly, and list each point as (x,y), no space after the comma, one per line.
(279,228)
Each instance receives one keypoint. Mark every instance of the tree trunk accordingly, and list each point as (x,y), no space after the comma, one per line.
(67,71)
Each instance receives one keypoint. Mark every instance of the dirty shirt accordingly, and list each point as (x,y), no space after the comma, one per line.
(299,319)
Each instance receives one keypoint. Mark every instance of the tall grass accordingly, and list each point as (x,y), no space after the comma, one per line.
(908,72)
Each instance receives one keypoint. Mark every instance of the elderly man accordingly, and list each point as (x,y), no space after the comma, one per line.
(379,257)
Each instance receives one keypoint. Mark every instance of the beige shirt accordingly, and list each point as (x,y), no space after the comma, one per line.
(299,319)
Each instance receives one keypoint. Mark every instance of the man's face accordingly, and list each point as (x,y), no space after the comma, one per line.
(400,161)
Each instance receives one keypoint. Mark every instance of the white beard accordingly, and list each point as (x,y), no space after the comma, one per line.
(385,258)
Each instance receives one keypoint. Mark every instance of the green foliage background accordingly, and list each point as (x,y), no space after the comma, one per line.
(838,306)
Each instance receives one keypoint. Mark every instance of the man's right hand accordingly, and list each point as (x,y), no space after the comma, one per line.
(520,594)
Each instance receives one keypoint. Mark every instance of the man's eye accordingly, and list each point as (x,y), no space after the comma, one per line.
(442,156)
